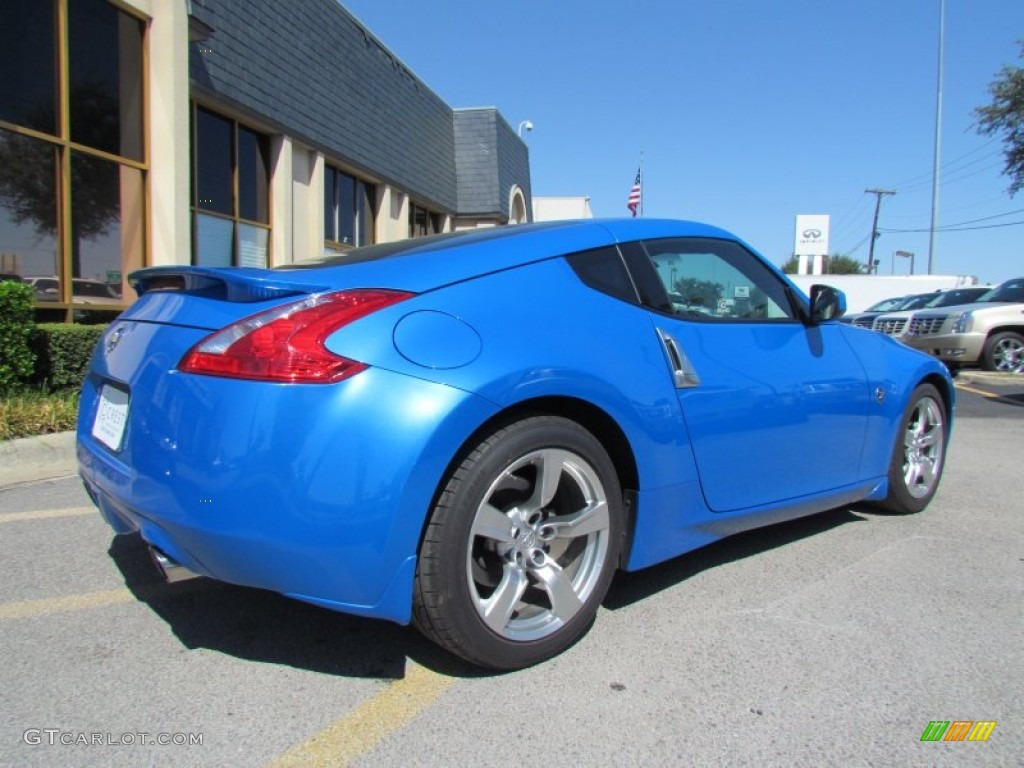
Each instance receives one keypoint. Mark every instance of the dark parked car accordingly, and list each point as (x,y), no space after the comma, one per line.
(866,318)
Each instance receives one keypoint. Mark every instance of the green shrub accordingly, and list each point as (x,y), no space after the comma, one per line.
(16,357)
(63,352)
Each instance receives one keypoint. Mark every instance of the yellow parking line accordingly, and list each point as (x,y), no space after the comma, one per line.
(47,514)
(983,393)
(370,723)
(30,609)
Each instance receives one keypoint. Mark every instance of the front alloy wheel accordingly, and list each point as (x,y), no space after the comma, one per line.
(521,546)
(920,452)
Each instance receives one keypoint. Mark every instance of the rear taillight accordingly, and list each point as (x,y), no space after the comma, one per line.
(287,343)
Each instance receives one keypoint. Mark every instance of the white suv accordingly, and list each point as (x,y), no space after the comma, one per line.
(897,324)
(989,333)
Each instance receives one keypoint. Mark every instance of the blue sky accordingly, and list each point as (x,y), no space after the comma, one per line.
(748,112)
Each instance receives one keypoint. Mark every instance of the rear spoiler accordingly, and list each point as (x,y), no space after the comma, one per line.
(234,284)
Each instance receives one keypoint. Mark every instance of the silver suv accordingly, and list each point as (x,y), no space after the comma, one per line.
(989,333)
(897,324)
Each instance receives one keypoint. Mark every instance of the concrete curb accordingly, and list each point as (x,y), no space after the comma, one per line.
(37,458)
(992,378)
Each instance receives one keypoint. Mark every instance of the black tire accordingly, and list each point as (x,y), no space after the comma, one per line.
(521,545)
(919,454)
(1003,351)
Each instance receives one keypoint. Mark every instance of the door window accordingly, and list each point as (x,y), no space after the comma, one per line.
(717,281)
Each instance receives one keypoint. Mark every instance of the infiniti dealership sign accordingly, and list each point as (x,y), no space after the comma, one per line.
(811,235)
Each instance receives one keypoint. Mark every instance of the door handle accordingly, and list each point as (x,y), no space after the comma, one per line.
(684,375)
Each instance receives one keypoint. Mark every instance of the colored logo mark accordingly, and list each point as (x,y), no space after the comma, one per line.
(958,730)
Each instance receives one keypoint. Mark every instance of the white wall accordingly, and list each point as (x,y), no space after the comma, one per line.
(561,208)
(864,290)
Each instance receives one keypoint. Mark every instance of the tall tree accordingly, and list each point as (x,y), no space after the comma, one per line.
(1005,116)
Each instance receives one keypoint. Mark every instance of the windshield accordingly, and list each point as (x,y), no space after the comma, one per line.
(958,296)
(917,302)
(887,305)
(1011,290)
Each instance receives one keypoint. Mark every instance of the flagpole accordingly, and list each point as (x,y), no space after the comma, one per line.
(641,183)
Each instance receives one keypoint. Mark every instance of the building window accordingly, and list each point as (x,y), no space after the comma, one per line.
(72,155)
(423,222)
(348,210)
(231,192)
(28,89)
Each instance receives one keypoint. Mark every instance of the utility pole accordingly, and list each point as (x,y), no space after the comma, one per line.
(874,224)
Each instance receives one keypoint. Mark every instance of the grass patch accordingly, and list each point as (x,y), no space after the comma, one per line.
(37,413)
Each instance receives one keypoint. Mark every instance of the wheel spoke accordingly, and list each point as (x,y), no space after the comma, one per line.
(926,473)
(549,473)
(498,608)
(591,519)
(564,600)
(492,523)
(912,475)
(510,481)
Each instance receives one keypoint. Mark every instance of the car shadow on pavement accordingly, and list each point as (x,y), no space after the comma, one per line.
(263,626)
(632,587)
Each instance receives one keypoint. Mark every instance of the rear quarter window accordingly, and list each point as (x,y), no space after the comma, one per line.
(602,269)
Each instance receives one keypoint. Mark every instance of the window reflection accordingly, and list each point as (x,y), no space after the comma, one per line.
(105,50)
(348,210)
(214,241)
(80,252)
(227,154)
(28,206)
(423,222)
(28,88)
(252,246)
(253,176)
(214,152)
(107,233)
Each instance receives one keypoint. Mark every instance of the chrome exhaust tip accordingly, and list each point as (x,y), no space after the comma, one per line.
(172,570)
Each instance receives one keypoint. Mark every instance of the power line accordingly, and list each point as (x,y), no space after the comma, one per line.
(979,204)
(961,223)
(927,176)
(956,228)
(856,247)
(916,187)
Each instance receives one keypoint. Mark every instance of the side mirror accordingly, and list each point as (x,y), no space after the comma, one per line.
(827,303)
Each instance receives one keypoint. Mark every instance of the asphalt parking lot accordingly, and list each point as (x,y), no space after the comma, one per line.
(833,640)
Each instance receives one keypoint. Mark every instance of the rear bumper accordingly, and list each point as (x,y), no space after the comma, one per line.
(317,492)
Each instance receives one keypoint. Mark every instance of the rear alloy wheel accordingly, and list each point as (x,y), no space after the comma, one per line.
(1004,352)
(521,545)
(920,452)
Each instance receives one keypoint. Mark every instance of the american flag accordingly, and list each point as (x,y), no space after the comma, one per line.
(634,195)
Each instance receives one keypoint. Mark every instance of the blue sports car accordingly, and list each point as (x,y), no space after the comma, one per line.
(474,431)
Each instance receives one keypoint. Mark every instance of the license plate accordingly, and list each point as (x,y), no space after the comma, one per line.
(111,417)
